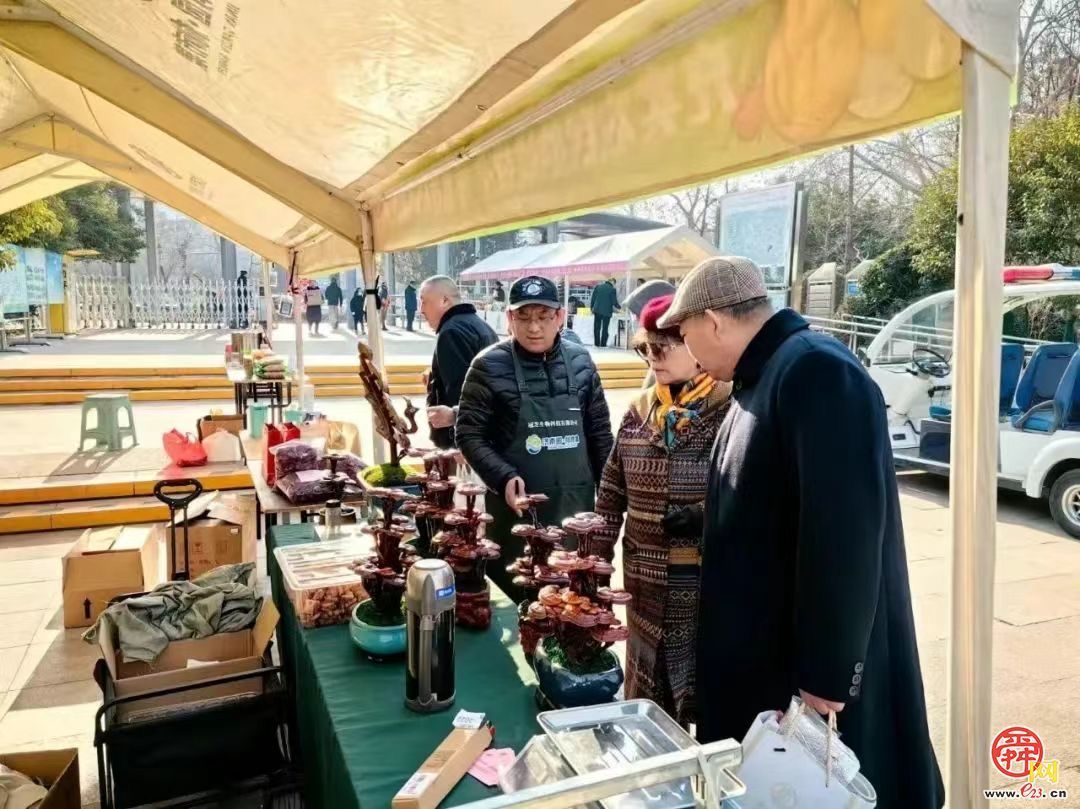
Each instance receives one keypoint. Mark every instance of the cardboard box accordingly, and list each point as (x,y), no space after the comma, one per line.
(192,661)
(443,768)
(58,770)
(105,563)
(221,531)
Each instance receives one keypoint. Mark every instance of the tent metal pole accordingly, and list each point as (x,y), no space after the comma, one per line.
(298,324)
(375,335)
(980,250)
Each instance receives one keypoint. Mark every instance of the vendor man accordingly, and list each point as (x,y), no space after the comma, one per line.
(533,419)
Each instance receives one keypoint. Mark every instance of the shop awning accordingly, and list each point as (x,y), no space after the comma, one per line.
(284,125)
(660,253)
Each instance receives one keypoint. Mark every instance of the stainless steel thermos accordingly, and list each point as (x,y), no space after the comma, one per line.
(429,617)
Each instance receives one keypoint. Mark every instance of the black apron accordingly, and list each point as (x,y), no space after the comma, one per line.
(551,456)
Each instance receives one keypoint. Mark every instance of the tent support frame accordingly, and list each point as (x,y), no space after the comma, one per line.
(980,254)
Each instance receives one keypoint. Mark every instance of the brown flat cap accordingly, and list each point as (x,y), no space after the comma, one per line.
(715,283)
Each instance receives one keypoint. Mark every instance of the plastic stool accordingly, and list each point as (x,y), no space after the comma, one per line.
(107,432)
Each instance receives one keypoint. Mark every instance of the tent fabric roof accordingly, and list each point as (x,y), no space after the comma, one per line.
(671,250)
(300,128)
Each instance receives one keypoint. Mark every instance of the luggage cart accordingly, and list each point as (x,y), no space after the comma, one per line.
(178,495)
(199,753)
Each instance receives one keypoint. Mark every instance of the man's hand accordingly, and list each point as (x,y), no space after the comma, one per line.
(440,416)
(426,377)
(515,488)
(822,706)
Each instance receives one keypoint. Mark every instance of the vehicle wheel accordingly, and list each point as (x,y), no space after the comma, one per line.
(1065,502)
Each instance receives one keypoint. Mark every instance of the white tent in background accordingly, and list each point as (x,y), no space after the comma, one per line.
(313,135)
(659,253)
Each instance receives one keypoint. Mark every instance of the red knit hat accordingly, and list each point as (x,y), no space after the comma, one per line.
(653,311)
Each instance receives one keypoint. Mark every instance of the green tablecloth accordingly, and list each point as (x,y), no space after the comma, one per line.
(358,741)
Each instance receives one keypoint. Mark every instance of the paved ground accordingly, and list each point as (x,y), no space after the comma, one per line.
(165,348)
(47,698)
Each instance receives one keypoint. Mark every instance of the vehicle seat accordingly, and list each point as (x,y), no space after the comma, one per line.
(1062,411)
(1040,380)
(1012,362)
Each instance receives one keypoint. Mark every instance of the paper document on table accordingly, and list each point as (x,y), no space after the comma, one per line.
(492,764)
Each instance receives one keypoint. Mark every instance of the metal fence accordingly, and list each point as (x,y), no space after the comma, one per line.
(102,302)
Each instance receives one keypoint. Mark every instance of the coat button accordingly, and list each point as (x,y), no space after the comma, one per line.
(857,679)
(854,690)
(858,668)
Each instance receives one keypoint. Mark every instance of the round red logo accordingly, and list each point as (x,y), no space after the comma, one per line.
(1015,750)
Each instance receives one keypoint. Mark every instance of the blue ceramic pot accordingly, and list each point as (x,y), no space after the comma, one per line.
(380,641)
(568,690)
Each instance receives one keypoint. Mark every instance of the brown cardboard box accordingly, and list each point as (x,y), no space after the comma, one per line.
(58,770)
(105,563)
(221,531)
(443,769)
(191,661)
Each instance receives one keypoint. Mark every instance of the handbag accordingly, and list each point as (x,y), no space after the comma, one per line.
(222,447)
(183,449)
(799,762)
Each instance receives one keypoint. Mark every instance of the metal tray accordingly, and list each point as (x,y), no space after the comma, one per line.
(599,737)
(539,762)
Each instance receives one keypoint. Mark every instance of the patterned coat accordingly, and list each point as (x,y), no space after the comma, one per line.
(646,481)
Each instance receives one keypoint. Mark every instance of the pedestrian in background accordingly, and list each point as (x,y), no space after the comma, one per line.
(410,305)
(804,571)
(313,301)
(656,476)
(334,298)
(533,419)
(382,300)
(460,334)
(356,308)
(604,303)
(498,297)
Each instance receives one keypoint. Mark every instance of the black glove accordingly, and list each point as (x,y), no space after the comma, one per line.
(688,521)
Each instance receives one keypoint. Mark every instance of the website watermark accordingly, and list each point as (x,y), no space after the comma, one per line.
(1018,752)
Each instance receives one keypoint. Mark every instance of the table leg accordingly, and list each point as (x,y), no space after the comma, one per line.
(258,519)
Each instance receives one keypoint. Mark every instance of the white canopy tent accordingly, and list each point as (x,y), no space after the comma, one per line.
(315,133)
(659,253)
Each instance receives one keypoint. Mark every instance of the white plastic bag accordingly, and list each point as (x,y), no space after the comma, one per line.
(784,765)
(222,447)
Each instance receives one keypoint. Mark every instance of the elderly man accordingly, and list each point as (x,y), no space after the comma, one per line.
(533,419)
(804,583)
(460,335)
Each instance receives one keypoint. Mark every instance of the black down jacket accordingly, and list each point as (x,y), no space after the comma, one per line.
(488,410)
(461,335)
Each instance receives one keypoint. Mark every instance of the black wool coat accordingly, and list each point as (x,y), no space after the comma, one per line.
(459,337)
(804,573)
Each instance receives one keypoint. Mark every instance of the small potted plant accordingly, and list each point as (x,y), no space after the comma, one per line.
(467,553)
(378,623)
(576,623)
(437,485)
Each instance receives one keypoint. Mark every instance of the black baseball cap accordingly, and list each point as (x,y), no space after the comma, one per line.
(532,289)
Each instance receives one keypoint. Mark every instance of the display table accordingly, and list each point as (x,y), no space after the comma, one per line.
(358,741)
(278,392)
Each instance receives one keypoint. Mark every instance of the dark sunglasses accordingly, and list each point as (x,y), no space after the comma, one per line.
(654,351)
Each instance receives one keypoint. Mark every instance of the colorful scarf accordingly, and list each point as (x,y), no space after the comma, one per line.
(675,415)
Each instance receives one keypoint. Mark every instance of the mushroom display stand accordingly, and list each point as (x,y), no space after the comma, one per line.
(532,571)
(572,624)
(437,485)
(378,624)
(460,543)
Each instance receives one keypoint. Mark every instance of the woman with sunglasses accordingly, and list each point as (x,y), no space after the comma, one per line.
(656,476)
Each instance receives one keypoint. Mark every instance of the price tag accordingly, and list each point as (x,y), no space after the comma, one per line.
(468,720)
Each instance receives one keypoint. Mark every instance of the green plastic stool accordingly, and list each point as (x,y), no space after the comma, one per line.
(107,432)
